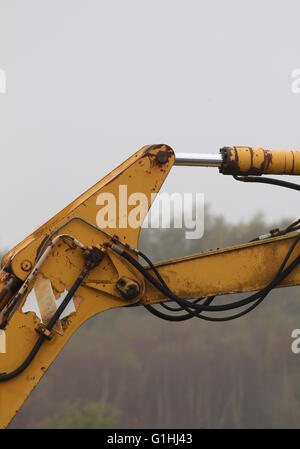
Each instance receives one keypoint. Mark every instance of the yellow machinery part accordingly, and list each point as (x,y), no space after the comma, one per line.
(240,268)
(257,161)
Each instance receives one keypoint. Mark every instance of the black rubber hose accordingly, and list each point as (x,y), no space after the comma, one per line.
(184,303)
(42,337)
(179,308)
(273,181)
(192,314)
(162,281)
(67,299)
(185,317)
(27,361)
(259,295)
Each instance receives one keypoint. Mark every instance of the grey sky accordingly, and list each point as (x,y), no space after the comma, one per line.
(90,82)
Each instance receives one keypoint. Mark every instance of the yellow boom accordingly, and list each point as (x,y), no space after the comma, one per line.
(70,269)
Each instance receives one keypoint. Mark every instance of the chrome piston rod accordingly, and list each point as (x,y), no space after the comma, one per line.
(198,159)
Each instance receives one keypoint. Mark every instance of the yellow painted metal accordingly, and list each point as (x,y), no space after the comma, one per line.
(145,172)
(241,268)
(257,161)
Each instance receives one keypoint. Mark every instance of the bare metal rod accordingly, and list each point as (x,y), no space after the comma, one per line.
(198,159)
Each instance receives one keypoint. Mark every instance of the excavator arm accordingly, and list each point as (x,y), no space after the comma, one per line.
(73,268)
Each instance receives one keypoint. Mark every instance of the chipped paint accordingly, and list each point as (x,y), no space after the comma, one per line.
(43,302)
(257,161)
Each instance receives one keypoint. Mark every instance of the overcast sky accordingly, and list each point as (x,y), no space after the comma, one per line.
(90,82)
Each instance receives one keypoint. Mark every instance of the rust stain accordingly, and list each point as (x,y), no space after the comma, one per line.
(231,163)
(77,301)
(251,156)
(162,157)
(267,160)
(149,148)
